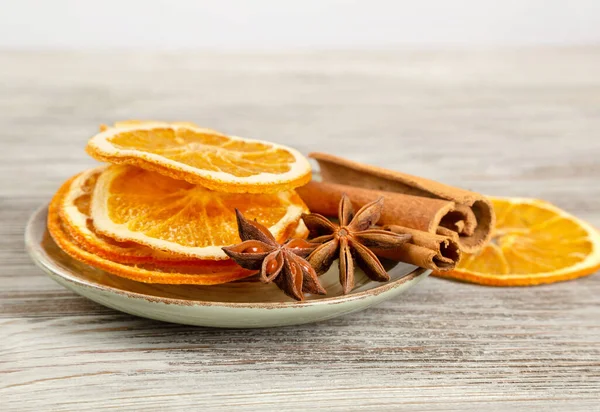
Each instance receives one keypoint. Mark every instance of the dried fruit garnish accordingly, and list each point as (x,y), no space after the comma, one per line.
(283,265)
(351,241)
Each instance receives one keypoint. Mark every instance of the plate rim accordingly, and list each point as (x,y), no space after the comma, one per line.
(42,260)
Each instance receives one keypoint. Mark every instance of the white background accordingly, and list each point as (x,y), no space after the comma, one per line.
(309,24)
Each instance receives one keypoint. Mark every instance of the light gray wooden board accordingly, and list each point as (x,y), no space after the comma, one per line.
(517,123)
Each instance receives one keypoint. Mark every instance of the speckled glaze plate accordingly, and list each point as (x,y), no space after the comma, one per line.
(241,304)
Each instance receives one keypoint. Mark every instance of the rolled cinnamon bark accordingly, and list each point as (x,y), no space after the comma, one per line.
(427,250)
(399,209)
(467,217)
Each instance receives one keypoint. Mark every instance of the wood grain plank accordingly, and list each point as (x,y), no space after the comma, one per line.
(517,123)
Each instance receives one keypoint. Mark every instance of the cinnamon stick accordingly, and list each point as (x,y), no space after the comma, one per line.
(427,250)
(399,209)
(466,217)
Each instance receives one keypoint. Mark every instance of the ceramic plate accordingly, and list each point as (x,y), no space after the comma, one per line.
(241,304)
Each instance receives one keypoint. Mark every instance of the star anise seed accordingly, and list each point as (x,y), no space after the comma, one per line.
(283,265)
(350,242)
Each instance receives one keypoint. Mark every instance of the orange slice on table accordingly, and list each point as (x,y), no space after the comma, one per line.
(534,242)
(207,273)
(130,204)
(202,156)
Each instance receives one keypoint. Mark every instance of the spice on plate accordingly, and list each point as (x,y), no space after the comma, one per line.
(283,265)
(351,241)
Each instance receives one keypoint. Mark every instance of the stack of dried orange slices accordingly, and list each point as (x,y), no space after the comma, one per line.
(163,208)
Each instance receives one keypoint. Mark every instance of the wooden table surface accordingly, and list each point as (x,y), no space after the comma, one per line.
(515,123)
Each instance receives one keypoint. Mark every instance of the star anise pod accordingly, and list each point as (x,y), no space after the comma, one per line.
(350,242)
(282,264)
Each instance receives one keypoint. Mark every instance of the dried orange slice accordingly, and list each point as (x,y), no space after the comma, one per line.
(202,156)
(75,214)
(207,273)
(534,242)
(130,204)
